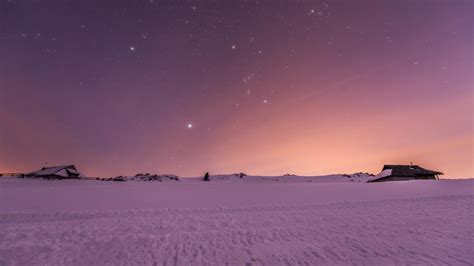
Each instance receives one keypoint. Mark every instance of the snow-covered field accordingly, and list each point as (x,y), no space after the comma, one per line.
(249,221)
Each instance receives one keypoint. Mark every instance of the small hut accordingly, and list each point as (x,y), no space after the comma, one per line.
(56,172)
(404,172)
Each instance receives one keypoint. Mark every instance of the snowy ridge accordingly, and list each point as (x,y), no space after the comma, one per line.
(288,178)
(242,177)
(154,177)
(384,173)
(142,177)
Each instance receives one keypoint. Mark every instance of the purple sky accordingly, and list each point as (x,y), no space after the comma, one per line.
(263,87)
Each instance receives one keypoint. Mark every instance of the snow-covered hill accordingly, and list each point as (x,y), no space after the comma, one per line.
(241,177)
(288,178)
(142,177)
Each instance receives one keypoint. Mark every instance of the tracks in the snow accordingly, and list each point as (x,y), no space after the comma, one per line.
(426,230)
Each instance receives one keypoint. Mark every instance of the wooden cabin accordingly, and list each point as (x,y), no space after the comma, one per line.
(55,172)
(404,172)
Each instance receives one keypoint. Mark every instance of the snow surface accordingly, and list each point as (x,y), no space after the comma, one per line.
(384,173)
(253,222)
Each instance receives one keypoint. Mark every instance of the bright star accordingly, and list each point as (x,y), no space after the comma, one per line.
(132,48)
(190,125)
(233,47)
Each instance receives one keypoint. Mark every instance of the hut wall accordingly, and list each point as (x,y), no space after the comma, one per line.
(426,177)
(404,178)
(57,177)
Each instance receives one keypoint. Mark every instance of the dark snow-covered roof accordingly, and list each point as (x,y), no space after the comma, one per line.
(409,170)
(403,170)
(45,171)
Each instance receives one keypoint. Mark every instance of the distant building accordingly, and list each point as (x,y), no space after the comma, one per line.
(55,172)
(404,172)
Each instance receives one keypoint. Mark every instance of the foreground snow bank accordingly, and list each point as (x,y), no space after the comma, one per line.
(248,223)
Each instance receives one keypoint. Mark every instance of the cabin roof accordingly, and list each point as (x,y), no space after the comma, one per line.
(403,170)
(53,170)
(409,170)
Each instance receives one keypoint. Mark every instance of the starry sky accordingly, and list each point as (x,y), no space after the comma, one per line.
(262,87)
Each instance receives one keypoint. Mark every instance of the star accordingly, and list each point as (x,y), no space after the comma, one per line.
(132,48)
(190,125)
(233,47)
(265,101)
(247,78)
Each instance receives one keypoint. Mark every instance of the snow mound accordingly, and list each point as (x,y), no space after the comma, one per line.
(142,177)
(384,173)
(149,177)
(228,177)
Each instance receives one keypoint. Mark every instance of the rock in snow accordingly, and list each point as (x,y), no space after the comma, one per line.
(142,177)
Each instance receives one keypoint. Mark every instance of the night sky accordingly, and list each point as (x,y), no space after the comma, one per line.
(262,87)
